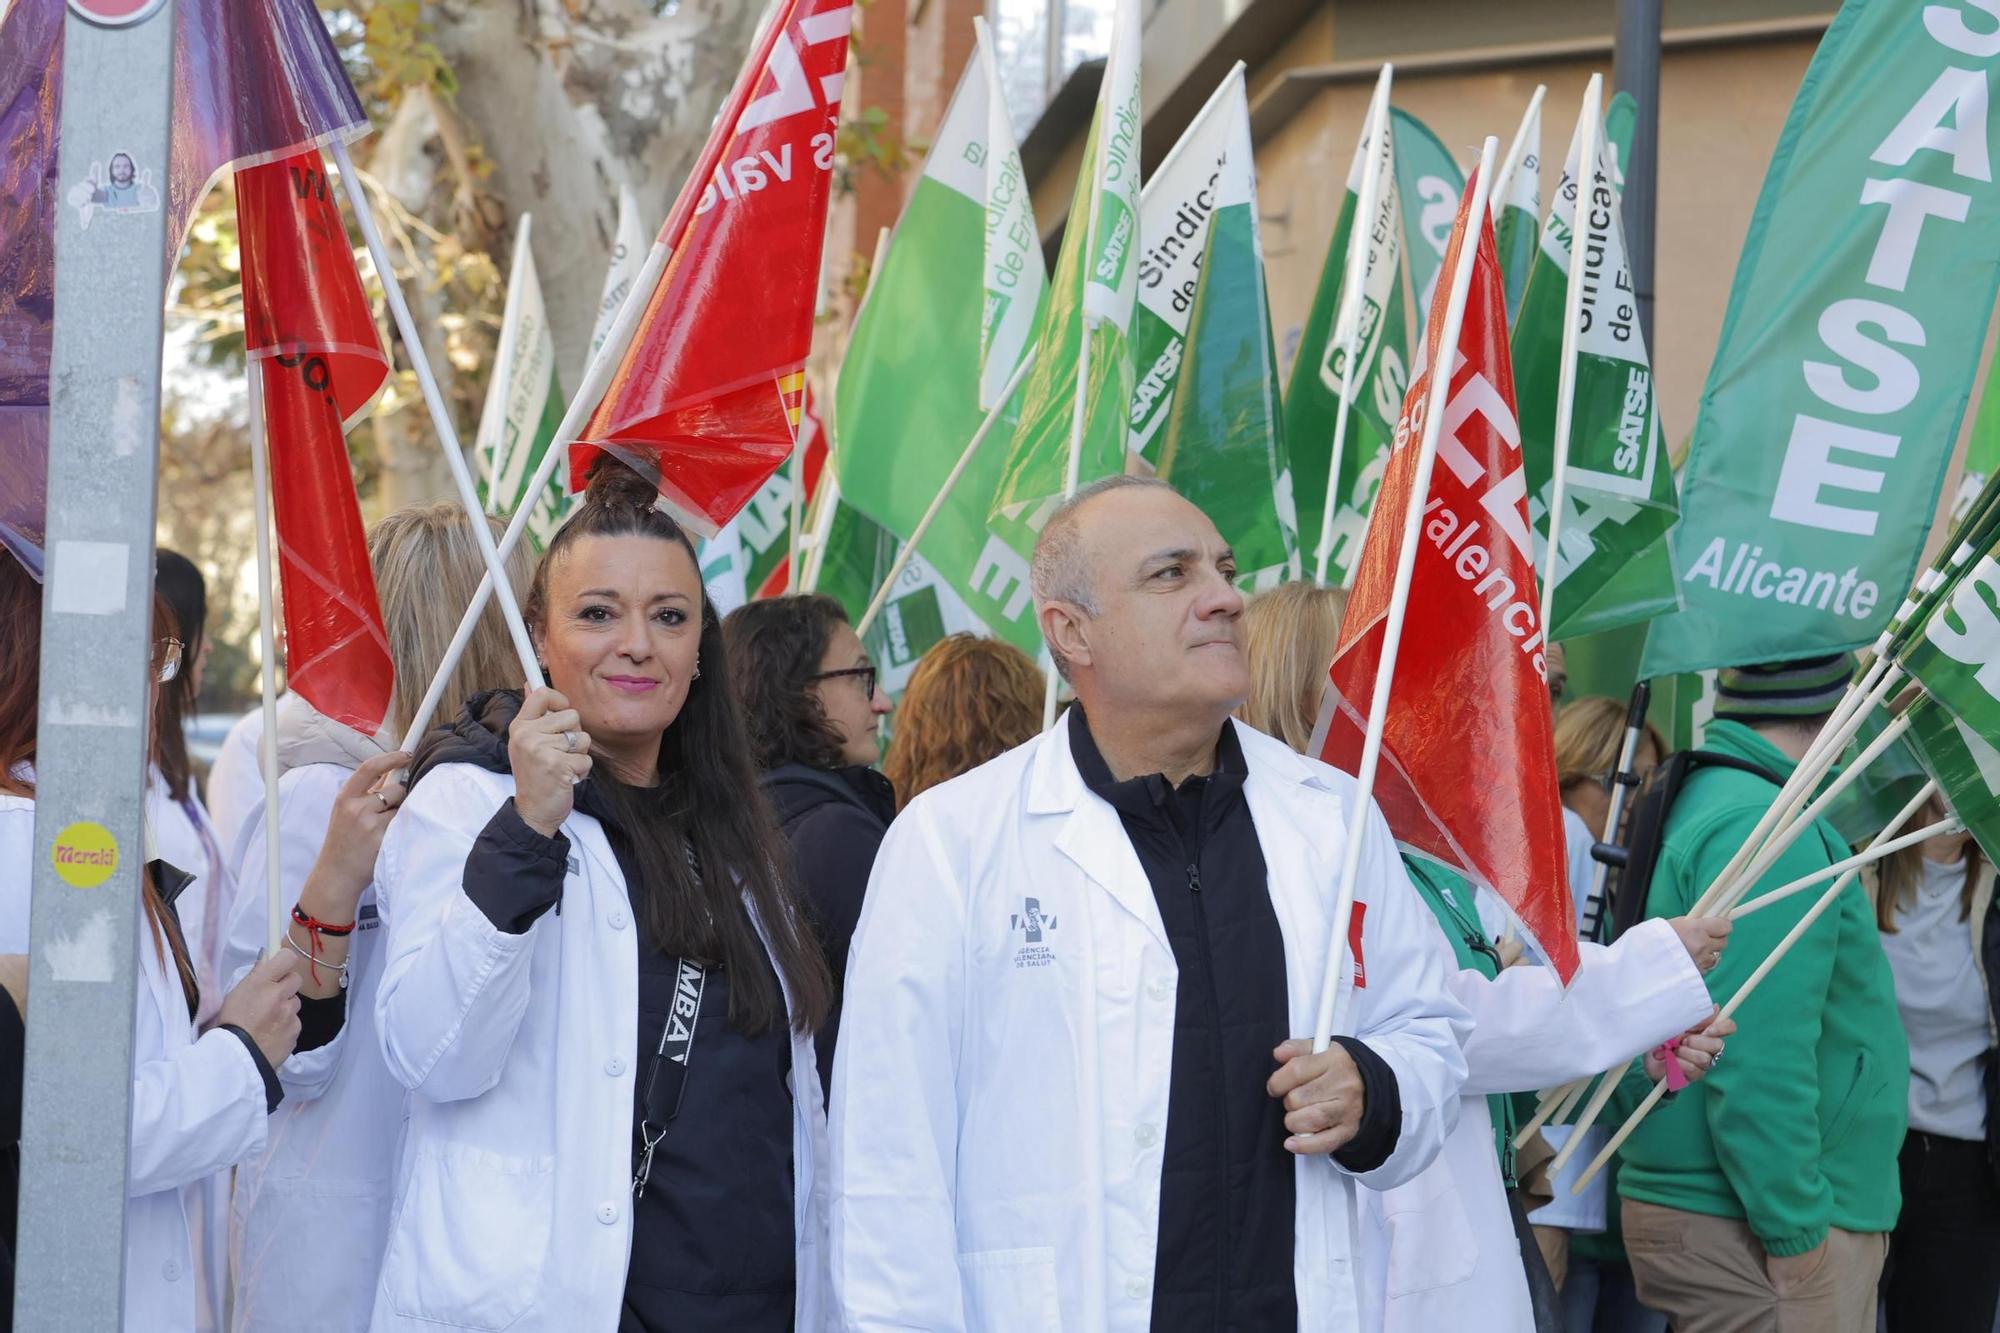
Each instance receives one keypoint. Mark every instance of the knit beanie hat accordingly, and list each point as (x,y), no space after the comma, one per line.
(1808,688)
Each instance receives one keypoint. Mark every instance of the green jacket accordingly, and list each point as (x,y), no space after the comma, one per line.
(1454,903)
(1798,1129)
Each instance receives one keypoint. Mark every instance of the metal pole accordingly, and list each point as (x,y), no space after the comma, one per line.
(1635,69)
(97,637)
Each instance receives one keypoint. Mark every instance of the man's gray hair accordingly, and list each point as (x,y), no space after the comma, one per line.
(1061,569)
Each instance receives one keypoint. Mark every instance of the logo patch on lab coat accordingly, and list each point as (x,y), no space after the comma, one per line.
(1034,926)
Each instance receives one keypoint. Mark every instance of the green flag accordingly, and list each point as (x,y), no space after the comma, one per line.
(936,337)
(1982,450)
(1621,119)
(1319,377)
(1613,564)
(1088,324)
(1224,445)
(1517,205)
(524,403)
(1430,185)
(1965,765)
(1848,350)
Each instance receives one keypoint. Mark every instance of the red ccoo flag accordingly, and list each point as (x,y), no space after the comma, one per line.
(310,334)
(1468,773)
(707,397)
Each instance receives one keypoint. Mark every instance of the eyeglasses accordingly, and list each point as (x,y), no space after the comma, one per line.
(166,659)
(867,675)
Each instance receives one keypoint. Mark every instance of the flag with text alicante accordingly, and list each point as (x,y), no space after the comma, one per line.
(311,338)
(1849,348)
(1468,774)
(706,400)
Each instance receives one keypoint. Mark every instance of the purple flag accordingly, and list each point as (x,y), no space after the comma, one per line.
(254,80)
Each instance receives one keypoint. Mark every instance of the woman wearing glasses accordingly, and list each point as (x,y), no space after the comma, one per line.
(814,711)
(200,1095)
(597,983)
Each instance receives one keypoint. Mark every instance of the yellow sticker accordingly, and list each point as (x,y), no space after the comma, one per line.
(85,855)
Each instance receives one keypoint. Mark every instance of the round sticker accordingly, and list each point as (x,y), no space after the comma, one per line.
(116,13)
(85,855)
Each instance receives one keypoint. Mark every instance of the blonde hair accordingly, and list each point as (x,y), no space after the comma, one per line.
(427,568)
(969,700)
(1589,732)
(1290,634)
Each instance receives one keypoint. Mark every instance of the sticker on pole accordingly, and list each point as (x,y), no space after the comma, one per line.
(85,855)
(120,186)
(116,13)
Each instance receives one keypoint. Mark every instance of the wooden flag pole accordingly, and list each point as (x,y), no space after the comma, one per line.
(1597,1103)
(267,668)
(596,378)
(1328,1018)
(1347,318)
(1744,991)
(1861,860)
(447,433)
(1588,127)
(881,597)
(1552,1100)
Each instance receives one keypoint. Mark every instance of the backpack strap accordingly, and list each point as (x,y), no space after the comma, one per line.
(1633,884)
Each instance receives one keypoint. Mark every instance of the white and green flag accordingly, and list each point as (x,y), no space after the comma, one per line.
(1849,348)
(524,402)
(1223,445)
(1430,184)
(1517,205)
(1613,566)
(628,256)
(936,336)
(1073,425)
(1320,376)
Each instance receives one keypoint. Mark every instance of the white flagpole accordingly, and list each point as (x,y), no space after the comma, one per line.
(596,378)
(267,669)
(447,433)
(826,503)
(503,373)
(1875,852)
(902,560)
(1588,129)
(1347,318)
(1399,601)
(1743,992)
(1503,181)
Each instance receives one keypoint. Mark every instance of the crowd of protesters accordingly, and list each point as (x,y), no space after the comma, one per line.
(698,990)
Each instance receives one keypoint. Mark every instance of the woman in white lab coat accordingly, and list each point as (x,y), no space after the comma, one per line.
(200,1099)
(329,1166)
(1443,1247)
(595,984)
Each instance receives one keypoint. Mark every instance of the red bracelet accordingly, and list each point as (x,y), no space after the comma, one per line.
(316,928)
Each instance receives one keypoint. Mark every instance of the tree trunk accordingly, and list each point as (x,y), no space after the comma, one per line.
(568,99)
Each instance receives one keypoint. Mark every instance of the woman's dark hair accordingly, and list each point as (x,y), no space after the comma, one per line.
(708,800)
(775,649)
(180,585)
(20,708)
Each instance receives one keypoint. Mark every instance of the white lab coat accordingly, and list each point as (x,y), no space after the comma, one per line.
(329,1167)
(513,1199)
(236,778)
(1443,1245)
(198,1108)
(999,1103)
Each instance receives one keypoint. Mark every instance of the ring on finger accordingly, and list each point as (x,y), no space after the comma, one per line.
(383,798)
(569,742)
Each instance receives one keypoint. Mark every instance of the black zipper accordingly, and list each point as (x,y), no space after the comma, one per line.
(1226,1253)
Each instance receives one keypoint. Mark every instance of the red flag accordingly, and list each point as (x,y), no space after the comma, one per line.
(308,328)
(707,397)
(1468,773)
(812,437)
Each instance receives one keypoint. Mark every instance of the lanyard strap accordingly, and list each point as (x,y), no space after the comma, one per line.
(666,1082)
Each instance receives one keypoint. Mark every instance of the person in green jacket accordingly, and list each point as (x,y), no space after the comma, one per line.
(1763,1198)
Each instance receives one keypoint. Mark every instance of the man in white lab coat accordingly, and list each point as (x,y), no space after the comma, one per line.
(1071,1091)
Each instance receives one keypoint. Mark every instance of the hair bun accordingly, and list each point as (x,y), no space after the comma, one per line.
(613,485)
